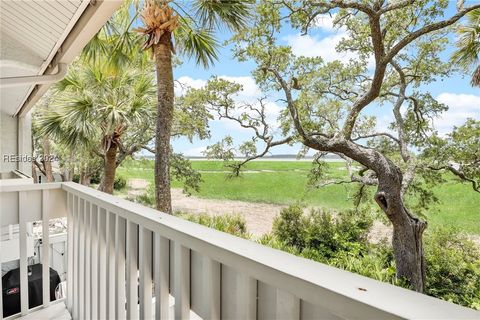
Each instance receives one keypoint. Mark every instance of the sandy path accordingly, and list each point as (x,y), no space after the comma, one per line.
(258,216)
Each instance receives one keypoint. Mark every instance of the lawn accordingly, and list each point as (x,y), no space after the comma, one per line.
(285,182)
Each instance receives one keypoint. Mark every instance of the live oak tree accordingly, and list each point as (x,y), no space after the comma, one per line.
(398,47)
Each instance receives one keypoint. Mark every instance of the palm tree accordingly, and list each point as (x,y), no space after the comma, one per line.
(192,28)
(98,107)
(468,45)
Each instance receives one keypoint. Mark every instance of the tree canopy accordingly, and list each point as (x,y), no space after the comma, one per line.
(397,48)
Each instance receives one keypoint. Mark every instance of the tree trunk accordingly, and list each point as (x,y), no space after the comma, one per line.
(407,238)
(34,173)
(69,169)
(165,96)
(47,164)
(408,249)
(85,177)
(109,169)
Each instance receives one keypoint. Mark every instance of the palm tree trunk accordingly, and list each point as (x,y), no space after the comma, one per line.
(476,77)
(165,96)
(109,169)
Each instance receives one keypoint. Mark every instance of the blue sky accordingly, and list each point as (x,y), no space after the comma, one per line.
(463,100)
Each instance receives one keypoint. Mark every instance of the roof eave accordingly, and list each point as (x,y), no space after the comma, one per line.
(90,22)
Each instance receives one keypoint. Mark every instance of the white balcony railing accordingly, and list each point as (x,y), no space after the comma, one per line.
(126,261)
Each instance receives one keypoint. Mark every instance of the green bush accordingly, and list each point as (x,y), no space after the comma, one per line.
(233,224)
(147,198)
(321,231)
(290,227)
(340,240)
(453,267)
(95,178)
(119,183)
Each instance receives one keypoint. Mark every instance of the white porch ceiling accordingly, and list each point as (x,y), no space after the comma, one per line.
(31,32)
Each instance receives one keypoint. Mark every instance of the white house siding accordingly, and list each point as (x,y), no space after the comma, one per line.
(15,139)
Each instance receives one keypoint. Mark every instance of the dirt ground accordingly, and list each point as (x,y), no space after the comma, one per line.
(259,216)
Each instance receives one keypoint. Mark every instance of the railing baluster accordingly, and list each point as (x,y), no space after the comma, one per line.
(212,276)
(22,200)
(45,249)
(87,227)
(70,198)
(145,273)
(111,226)
(287,305)
(161,275)
(81,258)
(132,271)
(102,263)
(182,281)
(247,297)
(76,237)
(120,268)
(94,262)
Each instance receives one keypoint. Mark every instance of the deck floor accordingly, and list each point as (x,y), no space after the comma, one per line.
(57,311)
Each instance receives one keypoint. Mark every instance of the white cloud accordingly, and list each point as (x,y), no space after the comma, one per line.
(250,88)
(325,23)
(195,152)
(310,46)
(183,83)
(461,106)
(323,45)
(315,46)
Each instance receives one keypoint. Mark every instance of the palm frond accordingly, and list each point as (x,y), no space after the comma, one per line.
(95,48)
(200,44)
(468,53)
(233,14)
(476,77)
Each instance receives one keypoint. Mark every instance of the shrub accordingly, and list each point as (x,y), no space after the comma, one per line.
(453,267)
(119,183)
(340,240)
(96,178)
(233,224)
(290,226)
(322,231)
(147,198)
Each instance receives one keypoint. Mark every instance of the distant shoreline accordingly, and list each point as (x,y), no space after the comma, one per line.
(328,158)
(270,159)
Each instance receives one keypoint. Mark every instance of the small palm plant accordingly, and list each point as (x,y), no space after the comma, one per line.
(98,106)
(468,45)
